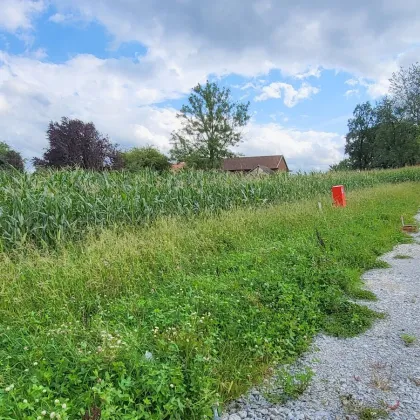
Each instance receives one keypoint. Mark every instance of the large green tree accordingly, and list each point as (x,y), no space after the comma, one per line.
(210,127)
(361,136)
(396,138)
(9,158)
(145,157)
(405,91)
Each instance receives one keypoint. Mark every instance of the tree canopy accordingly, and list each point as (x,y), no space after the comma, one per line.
(145,157)
(9,158)
(387,134)
(73,143)
(210,126)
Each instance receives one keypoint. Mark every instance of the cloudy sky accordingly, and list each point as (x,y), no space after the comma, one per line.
(128,65)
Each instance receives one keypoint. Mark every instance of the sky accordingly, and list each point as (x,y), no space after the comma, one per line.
(128,66)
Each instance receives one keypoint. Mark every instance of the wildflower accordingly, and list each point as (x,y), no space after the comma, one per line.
(26,370)
(25,401)
(25,348)
(43,412)
(56,401)
(39,418)
(64,406)
(148,355)
(44,391)
(9,388)
(171,385)
(35,363)
(52,415)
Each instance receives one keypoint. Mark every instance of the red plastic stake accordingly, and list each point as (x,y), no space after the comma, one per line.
(339,196)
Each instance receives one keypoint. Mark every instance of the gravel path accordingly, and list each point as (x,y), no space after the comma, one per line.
(354,378)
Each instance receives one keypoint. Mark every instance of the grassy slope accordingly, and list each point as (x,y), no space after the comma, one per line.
(215,302)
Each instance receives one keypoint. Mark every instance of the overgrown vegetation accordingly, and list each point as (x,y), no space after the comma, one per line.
(288,385)
(386,134)
(51,208)
(164,321)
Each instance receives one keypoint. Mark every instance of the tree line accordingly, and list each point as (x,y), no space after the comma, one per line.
(383,135)
(386,134)
(210,126)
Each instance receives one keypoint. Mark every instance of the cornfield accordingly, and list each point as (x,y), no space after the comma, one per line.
(46,209)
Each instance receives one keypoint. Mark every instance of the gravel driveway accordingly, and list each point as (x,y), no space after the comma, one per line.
(373,376)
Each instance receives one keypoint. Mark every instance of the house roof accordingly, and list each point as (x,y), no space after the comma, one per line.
(176,166)
(250,163)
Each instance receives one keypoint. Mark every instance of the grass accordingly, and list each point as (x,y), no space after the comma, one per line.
(408,339)
(49,209)
(363,411)
(288,385)
(165,321)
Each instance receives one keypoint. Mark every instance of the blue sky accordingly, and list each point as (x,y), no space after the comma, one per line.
(129,65)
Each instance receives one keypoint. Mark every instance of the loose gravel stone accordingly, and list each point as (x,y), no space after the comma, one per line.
(375,369)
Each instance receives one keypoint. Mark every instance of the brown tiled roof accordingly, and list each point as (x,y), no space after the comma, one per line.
(177,166)
(250,163)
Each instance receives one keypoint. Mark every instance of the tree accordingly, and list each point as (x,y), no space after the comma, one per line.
(9,158)
(145,157)
(343,165)
(210,127)
(361,136)
(405,91)
(73,143)
(396,138)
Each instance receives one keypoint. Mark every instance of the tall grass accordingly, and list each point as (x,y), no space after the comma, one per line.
(163,322)
(51,208)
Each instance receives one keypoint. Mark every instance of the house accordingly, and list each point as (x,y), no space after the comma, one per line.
(175,167)
(275,163)
(261,170)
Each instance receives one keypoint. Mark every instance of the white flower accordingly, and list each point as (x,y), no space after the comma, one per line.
(52,415)
(35,363)
(44,391)
(64,406)
(171,385)
(56,401)
(26,370)
(25,401)
(39,418)
(43,412)
(148,355)
(25,348)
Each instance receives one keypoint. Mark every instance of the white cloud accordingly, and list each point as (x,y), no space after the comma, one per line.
(351,92)
(118,96)
(311,72)
(18,14)
(4,106)
(291,95)
(60,18)
(351,82)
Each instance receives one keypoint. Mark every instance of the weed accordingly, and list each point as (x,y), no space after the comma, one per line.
(361,410)
(408,339)
(168,319)
(288,385)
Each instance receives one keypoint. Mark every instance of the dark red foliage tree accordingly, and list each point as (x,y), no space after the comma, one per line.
(75,144)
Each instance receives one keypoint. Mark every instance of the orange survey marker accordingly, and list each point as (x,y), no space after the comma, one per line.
(339,196)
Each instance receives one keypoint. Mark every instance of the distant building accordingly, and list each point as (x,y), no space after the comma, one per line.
(257,164)
(175,167)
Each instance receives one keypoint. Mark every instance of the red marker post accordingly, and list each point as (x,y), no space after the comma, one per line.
(339,196)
